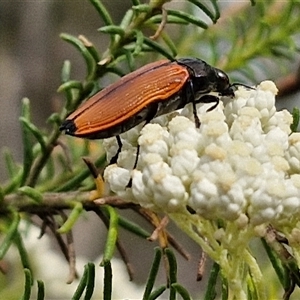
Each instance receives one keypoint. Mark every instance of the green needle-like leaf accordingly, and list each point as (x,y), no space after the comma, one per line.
(158,48)
(188,17)
(157,292)
(72,84)
(112,236)
(13,183)
(127,19)
(181,291)
(90,281)
(170,20)
(212,281)
(22,251)
(133,227)
(10,234)
(89,59)
(112,29)
(32,193)
(139,43)
(107,286)
(66,71)
(41,290)
(28,283)
(296,119)
(81,286)
(209,13)
(143,8)
(27,143)
(34,131)
(153,273)
(11,167)
(102,11)
(172,271)
(275,263)
(72,218)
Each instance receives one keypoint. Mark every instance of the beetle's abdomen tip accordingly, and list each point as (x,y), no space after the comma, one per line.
(68,126)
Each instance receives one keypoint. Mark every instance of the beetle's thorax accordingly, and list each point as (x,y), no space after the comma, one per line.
(205,78)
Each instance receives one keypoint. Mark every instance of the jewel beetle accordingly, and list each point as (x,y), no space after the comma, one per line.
(152,90)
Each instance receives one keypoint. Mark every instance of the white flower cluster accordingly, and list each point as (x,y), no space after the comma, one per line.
(242,161)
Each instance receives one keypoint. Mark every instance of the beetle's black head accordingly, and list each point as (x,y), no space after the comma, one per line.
(222,84)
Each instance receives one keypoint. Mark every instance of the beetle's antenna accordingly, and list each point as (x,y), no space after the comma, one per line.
(235,84)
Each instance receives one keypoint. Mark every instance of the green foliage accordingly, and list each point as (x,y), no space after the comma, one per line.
(86,283)
(52,174)
(296,119)
(248,36)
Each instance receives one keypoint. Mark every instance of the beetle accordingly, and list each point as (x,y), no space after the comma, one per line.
(152,90)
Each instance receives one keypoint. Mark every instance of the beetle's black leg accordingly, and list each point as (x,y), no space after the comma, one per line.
(190,210)
(137,156)
(191,90)
(197,121)
(210,99)
(115,158)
